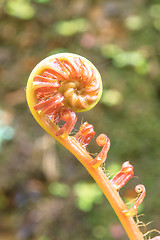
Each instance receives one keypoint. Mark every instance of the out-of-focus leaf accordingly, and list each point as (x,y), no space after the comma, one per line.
(155,11)
(134,22)
(135,59)
(122,58)
(111,97)
(42,1)
(110,50)
(129,58)
(87,194)
(20,8)
(68,28)
(156,24)
(59,189)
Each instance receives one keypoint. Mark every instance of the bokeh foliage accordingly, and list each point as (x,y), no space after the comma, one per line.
(45,194)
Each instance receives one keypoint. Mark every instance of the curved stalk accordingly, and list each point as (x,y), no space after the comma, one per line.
(58,87)
(107,188)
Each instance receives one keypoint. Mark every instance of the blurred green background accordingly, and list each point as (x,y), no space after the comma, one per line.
(45,193)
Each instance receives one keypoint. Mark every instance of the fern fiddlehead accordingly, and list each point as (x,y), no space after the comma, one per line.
(61,85)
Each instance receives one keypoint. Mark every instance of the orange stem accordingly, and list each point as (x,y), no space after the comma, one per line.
(102,180)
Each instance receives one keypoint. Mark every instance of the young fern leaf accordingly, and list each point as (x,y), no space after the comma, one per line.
(61,85)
